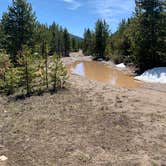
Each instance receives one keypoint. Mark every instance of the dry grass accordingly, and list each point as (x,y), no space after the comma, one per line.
(85,124)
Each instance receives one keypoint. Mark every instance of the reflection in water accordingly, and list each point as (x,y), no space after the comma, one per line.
(78,69)
(100,72)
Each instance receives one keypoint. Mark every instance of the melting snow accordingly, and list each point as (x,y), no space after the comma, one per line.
(121,65)
(3,158)
(155,75)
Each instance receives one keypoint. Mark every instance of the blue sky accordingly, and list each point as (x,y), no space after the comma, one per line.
(77,15)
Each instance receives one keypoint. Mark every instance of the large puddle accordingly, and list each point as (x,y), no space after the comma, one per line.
(100,72)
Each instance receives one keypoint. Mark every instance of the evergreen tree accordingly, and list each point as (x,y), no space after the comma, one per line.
(88,42)
(40,75)
(45,56)
(74,44)
(11,81)
(149,42)
(42,32)
(101,36)
(27,70)
(2,37)
(120,45)
(8,75)
(66,41)
(18,24)
(54,38)
(58,73)
(5,64)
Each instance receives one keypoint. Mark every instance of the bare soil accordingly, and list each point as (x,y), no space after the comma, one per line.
(86,124)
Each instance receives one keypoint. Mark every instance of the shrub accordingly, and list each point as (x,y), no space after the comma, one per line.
(27,70)
(11,81)
(58,73)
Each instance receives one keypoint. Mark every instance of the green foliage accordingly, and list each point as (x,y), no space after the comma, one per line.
(74,44)
(2,37)
(57,39)
(19,27)
(27,70)
(29,66)
(4,64)
(88,43)
(95,43)
(45,56)
(66,40)
(11,81)
(8,75)
(101,38)
(40,75)
(54,43)
(42,33)
(120,44)
(140,40)
(18,24)
(149,44)
(58,73)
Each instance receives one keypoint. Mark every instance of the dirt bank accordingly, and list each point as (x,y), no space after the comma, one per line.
(88,123)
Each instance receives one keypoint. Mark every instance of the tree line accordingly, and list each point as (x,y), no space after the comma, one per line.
(140,40)
(25,47)
(19,26)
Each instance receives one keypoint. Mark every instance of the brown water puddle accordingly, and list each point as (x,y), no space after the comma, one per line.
(100,72)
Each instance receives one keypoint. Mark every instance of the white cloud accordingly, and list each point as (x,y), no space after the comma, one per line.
(112,10)
(73,4)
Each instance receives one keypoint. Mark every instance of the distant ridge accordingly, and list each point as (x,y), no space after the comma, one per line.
(76,37)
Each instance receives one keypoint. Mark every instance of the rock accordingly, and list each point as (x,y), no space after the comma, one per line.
(3,158)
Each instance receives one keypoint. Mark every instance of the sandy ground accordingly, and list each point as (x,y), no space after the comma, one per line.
(86,124)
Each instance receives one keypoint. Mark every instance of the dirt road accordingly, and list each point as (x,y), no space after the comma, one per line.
(88,123)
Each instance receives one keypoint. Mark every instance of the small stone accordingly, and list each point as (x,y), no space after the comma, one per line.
(3,158)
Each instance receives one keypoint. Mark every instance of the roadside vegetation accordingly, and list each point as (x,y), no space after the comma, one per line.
(31,75)
(25,50)
(140,40)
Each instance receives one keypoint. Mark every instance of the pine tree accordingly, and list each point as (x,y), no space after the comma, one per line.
(149,41)
(5,64)
(101,36)
(27,70)
(2,37)
(66,41)
(18,24)
(12,81)
(54,38)
(120,42)
(88,42)
(40,75)
(74,44)
(42,32)
(58,73)
(45,56)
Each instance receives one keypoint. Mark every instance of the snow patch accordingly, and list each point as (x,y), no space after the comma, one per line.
(155,75)
(3,158)
(121,65)
(100,59)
